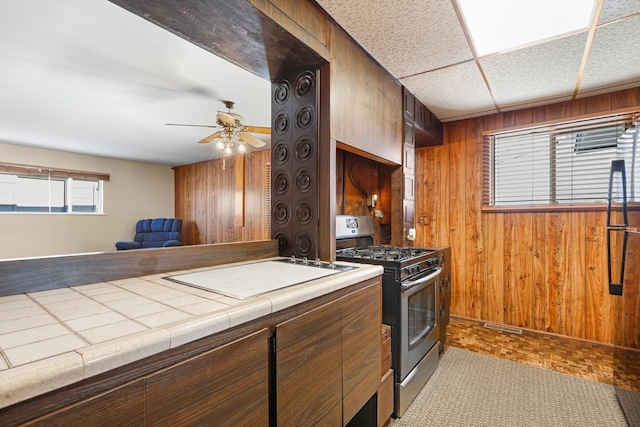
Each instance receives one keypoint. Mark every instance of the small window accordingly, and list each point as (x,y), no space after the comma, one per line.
(565,163)
(37,189)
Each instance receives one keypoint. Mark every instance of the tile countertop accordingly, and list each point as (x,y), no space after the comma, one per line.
(50,339)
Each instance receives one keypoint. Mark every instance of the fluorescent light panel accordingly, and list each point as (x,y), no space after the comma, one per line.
(499,25)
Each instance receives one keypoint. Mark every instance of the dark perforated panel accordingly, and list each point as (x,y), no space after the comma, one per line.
(294,163)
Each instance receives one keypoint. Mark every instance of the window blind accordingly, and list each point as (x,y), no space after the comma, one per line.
(30,170)
(564,163)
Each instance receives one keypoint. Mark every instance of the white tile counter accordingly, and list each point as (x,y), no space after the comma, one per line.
(53,338)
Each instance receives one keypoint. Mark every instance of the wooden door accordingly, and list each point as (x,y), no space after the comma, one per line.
(227,386)
(308,368)
(361,348)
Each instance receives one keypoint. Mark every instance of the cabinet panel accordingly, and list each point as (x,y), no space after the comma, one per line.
(408,105)
(227,386)
(409,159)
(408,133)
(422,119)
(408,206)
(361,344)
(308,368)
(385,398)
(409,186)
(122,407)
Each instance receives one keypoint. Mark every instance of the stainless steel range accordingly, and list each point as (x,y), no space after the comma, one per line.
(414,303)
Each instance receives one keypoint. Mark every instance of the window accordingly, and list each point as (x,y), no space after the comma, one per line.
(37,189)
(560,164)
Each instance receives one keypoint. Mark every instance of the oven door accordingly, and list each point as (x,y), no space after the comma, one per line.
(419,302)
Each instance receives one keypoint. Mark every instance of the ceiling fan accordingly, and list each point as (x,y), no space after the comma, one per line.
(233,132)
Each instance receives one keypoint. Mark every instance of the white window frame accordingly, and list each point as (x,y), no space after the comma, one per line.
(18,197)
(519,163)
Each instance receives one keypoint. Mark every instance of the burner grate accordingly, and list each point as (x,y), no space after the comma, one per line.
(383,253)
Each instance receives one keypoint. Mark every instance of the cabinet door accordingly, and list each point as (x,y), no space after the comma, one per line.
(422,117)
(123,406)
(361,343)
(409,185)
(227,386)
(408,104)
(308,368)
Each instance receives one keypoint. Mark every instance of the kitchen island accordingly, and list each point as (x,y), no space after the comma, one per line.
(112,348)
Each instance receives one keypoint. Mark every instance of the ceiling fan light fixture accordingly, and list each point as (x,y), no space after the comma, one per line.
(233,132)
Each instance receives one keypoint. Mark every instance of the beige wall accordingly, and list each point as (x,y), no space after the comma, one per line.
(136,190)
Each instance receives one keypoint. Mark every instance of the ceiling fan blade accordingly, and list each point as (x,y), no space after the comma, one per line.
(259,129)
(226,118)
(209,138)
(199,126)
(252,140)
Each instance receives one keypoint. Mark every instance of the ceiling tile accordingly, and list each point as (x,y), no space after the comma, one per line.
(405,37)
(541,71)
(616,9)
(452,93)
(614,58)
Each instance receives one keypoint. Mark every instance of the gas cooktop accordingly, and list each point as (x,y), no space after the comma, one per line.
(383,253)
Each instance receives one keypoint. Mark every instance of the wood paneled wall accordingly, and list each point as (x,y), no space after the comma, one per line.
(545,271)
(207,196)
(366,101)
(353,171)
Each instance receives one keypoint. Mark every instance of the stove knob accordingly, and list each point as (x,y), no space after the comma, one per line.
(318,263)
(418,269)
(293,259)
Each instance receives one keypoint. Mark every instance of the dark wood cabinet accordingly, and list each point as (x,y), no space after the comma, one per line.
(308,368)
(328,360)
(427,128)
(408,191)
(408,105)
(361,348)
(227,386)
(422,116)
(408,148)
(316,363)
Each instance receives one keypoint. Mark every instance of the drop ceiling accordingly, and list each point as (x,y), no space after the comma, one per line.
(87,76)
(425,45)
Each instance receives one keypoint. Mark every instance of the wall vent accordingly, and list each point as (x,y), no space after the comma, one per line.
(503,328)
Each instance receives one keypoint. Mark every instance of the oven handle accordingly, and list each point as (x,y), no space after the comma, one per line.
(408,285)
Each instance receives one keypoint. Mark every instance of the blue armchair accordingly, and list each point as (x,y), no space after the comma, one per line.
(155,233)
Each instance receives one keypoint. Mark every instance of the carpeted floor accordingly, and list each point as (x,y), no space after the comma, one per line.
(471,389)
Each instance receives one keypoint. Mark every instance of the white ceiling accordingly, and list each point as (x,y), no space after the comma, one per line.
(87,76)
(424,44)
(90,77)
